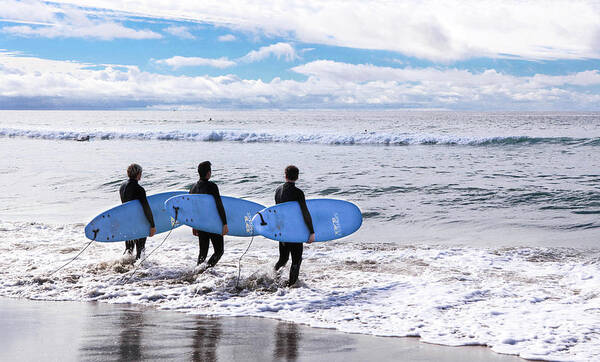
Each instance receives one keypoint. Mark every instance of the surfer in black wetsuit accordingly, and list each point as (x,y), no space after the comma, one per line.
(289,192)
(203,186)
(131,190)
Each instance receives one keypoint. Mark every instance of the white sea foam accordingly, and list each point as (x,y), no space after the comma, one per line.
(539,303)
(363,138)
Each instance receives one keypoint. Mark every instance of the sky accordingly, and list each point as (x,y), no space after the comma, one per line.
(338,54)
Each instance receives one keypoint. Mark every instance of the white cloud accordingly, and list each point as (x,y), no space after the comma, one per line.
(364,73)
(278,50)
(431,29)
(103,31)
(51,21)
(180,31)
(328,84)
(345,72)
(28,11)
(455,86)
(179,62)
(227,37)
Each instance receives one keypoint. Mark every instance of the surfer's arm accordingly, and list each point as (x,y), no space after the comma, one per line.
(305,212)
(147,211)
(219,203)
(122,193)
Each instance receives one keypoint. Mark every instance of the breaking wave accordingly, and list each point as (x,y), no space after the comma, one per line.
(370,138)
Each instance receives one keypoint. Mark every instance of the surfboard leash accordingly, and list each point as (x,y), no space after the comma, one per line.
(159,245)
(262,221)
(76,256)
(237,282)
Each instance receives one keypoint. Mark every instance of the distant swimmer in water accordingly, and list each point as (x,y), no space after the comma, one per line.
(131,190)
(289,192)
(204,186)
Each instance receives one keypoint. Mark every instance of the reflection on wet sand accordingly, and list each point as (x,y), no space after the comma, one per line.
(125,334)
(66,331)
(287,339)
(130,337)
(116,335)
(206,339)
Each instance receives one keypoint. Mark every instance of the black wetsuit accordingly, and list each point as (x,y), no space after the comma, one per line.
(131,190)
(209,187)
(284,193)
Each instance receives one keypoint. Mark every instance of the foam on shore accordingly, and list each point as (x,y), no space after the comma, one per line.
(538,303)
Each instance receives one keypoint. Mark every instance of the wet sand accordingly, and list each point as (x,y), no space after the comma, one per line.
(72,331)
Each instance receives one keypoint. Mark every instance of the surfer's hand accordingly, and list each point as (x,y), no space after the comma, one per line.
(225,229)
(152,231)
(311,238)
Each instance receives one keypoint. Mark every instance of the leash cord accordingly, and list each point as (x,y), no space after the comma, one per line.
(240,262)
(77,256)
(173,223)
(145,258)
(70,261)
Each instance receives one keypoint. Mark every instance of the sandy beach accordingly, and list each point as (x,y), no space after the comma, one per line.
(73,331)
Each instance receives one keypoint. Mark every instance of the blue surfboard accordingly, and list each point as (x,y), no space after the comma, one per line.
(127,221)
(332,219)
(200,212)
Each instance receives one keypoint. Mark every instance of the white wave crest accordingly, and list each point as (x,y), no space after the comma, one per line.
(366,138)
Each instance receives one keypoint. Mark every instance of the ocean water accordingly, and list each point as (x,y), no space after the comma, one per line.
(479,228)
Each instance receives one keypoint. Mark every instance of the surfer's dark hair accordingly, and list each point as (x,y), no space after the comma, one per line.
(134,170)
(292,172)
(203,168)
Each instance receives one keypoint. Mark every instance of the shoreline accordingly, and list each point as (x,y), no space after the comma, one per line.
(65,330)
